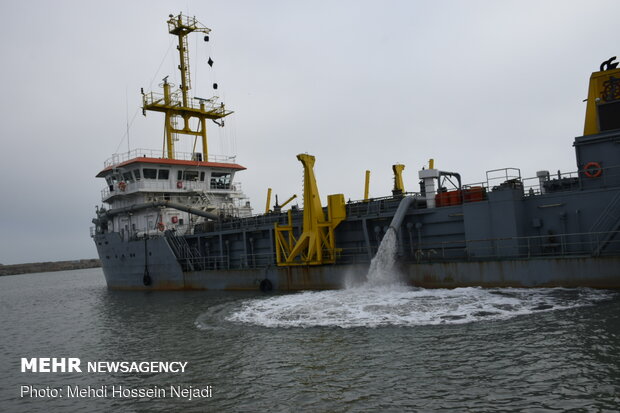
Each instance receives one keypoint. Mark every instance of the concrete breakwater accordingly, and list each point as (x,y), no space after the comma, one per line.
(48,266)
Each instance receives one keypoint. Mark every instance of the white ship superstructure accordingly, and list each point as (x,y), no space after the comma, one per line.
(154,190)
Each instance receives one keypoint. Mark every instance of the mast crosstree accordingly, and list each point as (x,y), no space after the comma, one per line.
(178,109)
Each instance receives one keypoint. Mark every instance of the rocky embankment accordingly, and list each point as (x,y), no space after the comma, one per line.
(48,266)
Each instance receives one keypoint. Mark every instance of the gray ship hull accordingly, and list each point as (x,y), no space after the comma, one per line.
(127,272)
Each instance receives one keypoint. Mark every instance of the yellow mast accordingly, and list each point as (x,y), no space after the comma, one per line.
(174,106)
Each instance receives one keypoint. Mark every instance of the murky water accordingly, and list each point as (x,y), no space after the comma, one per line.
(375,347)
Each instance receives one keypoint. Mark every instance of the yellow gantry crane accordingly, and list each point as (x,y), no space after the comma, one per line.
(178,108)
(316,245)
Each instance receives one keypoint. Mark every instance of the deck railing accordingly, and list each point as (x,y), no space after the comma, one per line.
(211,105)
(146,185)
(492,249)
(158,154)
(550,245)
(586,244)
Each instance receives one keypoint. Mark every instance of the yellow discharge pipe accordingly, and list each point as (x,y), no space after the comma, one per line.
(268,201)
(367,186)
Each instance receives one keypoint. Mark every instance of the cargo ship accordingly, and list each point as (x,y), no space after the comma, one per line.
(175,220)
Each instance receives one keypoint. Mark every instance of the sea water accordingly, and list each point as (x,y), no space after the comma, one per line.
(380,346)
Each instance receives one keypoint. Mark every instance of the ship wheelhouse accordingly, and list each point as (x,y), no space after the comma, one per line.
(149,190)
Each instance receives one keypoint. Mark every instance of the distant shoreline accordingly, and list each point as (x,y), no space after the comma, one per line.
(49,266)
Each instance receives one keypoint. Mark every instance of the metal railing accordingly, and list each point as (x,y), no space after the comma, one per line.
(502,175)
(536,247)
(376,206)
(561,181)
(189,22)
(495,178)
(493,249)
(586,244)
(551,245)
(118,158)
(225,262)
(153,185)
(210,105)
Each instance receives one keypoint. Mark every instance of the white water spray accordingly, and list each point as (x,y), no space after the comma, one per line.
(383,270)
(382,307)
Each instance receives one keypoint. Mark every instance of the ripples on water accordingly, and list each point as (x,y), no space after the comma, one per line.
(363,349)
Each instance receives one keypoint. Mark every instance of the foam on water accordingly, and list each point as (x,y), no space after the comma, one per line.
(385,301)
(377,307)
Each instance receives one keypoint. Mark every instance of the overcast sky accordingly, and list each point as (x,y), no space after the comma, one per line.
(477,85)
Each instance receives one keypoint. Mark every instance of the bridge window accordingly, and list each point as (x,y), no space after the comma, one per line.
(188,176)
(136,173)
(220,180)
(149,173)
(128,177)
(163,174)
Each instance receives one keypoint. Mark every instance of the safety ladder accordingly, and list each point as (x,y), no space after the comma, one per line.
(185,254)
(607,222)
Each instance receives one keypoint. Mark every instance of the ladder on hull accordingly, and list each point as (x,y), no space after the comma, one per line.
(609,223)
(185,254)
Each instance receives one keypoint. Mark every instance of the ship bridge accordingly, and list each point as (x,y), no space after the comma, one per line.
(145,171)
